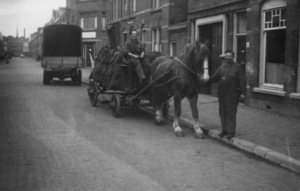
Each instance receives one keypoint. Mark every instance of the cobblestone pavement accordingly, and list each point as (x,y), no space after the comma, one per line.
(270,135)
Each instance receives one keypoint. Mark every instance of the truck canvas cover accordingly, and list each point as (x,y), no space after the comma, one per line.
(62,41)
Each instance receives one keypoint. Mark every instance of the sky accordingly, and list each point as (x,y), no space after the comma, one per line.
(26,14)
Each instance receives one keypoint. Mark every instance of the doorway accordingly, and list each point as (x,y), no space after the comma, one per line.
(89,48)
(241,51)
(212,34)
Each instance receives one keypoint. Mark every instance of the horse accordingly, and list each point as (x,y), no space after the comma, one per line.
(180,78)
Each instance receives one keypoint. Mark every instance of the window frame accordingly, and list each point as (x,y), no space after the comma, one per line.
(171,48)
(156,39)
(156,4)
(236,33)
(268,6)
(82,23)
(103,20)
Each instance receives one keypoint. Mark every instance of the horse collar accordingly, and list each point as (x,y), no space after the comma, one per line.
(184,65)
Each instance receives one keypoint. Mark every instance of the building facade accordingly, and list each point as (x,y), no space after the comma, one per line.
(264,34)
(91,15)
(161,24)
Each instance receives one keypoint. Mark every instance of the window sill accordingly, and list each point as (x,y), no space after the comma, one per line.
(131,17)
(154,10)
(295,95)
(269,91)
(89,30)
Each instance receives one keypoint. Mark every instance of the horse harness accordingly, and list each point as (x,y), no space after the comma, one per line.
(168,69)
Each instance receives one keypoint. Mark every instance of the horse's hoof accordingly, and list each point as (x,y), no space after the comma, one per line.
(179,134)
(199,135)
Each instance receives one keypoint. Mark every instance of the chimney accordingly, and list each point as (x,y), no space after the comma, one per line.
(24,33)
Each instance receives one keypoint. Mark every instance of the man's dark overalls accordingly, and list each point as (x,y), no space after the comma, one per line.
(135,47)
(232,84)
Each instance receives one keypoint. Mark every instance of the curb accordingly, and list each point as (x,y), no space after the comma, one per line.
(260,151)
(84,82)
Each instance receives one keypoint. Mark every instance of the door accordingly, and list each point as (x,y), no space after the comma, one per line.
(89,52)
(214,34)
(217,39)
(217,44)
(241,50)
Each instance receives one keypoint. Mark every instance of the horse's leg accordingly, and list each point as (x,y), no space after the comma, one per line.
(177,112)
(158,120)
(193,104)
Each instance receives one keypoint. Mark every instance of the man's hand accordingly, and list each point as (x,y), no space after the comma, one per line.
(133,55)
(142,55)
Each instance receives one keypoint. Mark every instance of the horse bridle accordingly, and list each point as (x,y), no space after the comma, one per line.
(189,69)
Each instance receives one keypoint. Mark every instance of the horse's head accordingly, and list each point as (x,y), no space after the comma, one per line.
(196,57)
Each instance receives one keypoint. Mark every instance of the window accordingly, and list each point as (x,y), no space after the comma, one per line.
(125,8)
(240,37)
(156,39)
(132,7)
(173,50)
(274,32)
(156,4)
(115,8)
(88,23)
(103,20)
(144,37)
(124,35)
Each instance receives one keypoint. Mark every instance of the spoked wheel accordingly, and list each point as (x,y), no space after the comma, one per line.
(165,109)
(93,93)
(115,105)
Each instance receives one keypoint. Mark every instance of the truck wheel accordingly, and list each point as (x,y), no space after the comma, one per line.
(79,77)
(46,79)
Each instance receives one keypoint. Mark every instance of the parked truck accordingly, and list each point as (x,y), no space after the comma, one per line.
(61,55)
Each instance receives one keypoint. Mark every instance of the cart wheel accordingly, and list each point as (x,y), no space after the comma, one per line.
(115,105)
(165,108)
(93,93)
(79,77)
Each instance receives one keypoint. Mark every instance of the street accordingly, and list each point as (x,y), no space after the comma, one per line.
(52,139)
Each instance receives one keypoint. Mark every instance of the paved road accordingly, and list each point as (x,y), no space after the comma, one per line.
(52,139)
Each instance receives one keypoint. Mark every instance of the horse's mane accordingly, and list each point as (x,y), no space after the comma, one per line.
(204,50)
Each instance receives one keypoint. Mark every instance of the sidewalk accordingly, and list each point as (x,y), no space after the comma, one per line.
(266,134)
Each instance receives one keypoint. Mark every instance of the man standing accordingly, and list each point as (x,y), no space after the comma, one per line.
(133,51)
(232,88)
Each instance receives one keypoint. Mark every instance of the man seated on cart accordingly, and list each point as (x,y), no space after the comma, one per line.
(133,51)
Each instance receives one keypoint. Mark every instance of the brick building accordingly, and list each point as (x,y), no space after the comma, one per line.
(91,16)
(161,24)
(264,34)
